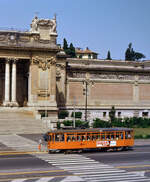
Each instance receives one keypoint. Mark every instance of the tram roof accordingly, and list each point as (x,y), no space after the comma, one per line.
(89,130)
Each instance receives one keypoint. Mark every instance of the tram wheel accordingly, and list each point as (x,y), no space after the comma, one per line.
(68,152)
(80,151)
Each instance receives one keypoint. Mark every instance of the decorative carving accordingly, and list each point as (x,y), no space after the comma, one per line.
(62,66)
(2,37)
(46,23)
(43,63)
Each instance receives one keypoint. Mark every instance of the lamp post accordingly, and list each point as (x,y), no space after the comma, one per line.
(87,82)
(85,92)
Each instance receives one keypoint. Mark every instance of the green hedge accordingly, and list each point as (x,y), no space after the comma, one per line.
(78,123)
(63,114)
(133,122)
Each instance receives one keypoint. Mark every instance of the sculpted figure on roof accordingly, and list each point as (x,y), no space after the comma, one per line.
(54,24)
(34,24)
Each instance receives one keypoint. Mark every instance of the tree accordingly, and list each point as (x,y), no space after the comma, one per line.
(70,51)
(131,55)
(108,56)
(112,114)
(65,45)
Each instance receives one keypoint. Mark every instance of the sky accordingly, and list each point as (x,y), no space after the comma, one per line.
(100,25)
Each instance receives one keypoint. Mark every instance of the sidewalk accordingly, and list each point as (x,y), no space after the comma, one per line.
(139,142)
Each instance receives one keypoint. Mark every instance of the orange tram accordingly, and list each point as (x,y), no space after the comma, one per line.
(95,138)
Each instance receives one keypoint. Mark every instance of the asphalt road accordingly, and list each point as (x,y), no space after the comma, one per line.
(136,160)
(15,166)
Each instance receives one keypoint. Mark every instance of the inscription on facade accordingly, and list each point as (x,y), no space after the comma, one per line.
(144,77)
(111,76)
(77,74)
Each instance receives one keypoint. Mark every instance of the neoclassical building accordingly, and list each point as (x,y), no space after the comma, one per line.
(35,74)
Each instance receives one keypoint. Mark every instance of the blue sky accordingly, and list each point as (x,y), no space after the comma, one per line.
(101,25)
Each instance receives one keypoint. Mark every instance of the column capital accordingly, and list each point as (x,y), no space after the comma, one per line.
(13,59)
(8,60)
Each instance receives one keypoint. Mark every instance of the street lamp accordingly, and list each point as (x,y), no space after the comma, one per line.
(85,92)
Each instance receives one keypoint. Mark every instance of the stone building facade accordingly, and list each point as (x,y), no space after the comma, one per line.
(35,74)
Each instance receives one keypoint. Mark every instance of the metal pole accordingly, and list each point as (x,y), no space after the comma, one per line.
(74,120)
(86,100)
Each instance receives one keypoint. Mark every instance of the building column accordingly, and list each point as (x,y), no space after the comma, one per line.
(7,83)
(13,84)
(29,103)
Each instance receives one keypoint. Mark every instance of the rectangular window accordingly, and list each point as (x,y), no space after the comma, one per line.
(145,114)
(119,114)
(104,114)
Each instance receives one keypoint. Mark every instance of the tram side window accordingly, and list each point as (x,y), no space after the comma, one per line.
(117,136)
(112,136)
(59,137)
(88,136)
(81,137)
(121,135)
(108,136)
(71,138)
(103,136)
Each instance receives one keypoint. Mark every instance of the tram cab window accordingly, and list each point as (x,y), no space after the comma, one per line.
(62,137)
(59,137)
(127,135)
(49,138)
(68,138)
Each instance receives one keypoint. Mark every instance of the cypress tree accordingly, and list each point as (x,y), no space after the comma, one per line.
(108,56)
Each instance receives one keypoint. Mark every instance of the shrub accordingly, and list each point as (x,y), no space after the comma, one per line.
(77,114)
(63,114)
(82,124)
(43,114)
(67,123)
(98,123)
(58,125)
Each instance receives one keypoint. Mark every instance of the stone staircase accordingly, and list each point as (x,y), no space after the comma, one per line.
(19,122)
